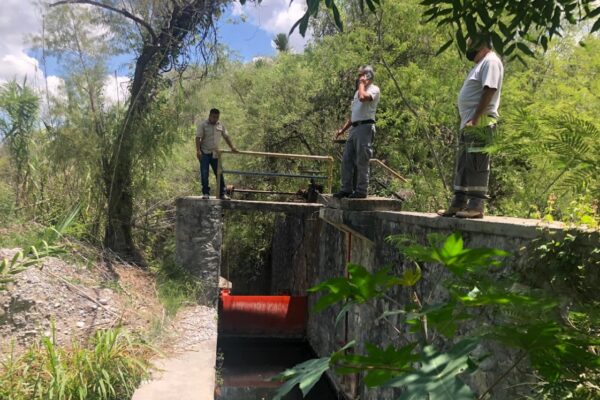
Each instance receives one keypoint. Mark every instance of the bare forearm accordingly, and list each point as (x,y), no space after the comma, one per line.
(345,127)
(198,145)
(229,143)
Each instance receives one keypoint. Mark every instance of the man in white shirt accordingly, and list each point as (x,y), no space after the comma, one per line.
(478,103)
(208,138)
(359,146)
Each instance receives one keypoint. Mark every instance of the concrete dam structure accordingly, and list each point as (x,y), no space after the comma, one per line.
(314,242)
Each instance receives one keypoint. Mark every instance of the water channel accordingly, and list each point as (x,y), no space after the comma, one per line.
(248,364)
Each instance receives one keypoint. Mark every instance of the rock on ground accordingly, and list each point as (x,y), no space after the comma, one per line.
(71,302)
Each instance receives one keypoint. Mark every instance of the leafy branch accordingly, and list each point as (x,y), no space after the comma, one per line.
(526,319)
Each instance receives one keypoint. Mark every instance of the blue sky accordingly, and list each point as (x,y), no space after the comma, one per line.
(250,36)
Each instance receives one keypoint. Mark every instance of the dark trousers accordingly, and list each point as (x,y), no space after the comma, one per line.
(472,174)
(206,161)
(357,153)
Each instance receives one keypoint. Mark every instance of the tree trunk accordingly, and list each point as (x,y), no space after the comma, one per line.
(156,55)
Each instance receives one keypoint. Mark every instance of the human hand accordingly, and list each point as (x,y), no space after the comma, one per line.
(472,122)
(198,155)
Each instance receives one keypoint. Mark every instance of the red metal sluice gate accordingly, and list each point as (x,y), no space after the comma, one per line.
(267,316)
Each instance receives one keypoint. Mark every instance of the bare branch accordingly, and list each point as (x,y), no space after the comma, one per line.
(121,11)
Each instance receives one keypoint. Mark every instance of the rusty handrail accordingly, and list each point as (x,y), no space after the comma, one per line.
(388,169)
(328,159)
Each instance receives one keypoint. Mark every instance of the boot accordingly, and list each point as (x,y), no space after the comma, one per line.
(459,203)
(474,209)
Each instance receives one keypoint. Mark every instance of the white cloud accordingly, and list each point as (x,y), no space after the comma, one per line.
(116,89)
(55,85)
(20,19)
(276,16)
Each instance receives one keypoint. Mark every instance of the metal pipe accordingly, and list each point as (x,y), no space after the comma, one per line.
(274,174)
(279,155)
(330,174)
(388,169)
(328,159)
(219,174)
(261,191)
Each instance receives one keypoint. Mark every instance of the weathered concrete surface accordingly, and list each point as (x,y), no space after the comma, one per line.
(271,206)
(186,376)
(294,253)
(368,204)
(199,237)
(359,237)
(363,223)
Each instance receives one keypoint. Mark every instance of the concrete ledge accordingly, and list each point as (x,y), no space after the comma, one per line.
(247,205)
(502,226)
(362,223)
(350,221)
(368,204)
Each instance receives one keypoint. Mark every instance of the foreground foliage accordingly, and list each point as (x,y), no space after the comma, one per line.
(443,342)
(110,368)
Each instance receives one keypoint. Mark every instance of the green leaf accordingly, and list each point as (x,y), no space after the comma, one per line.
(497,42)
(343,312)
(437,378)
(336,17)
(460,40)
(410,277)
(444,47)
(596,26)
(525,49)
(380,364)
(305,374)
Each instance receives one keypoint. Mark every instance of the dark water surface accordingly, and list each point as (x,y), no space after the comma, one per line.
(249,363)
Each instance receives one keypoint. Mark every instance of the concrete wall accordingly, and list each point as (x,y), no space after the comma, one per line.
(308,250)
(294,252)
(199,241)
(365,233)
(199,237)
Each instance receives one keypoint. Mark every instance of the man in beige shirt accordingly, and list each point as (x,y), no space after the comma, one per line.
(208,138)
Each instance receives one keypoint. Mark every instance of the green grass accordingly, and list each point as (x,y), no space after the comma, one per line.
(176,286)
(110,368)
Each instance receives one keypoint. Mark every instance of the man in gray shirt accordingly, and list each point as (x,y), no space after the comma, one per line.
(208,138)
(478,104)
(359,146)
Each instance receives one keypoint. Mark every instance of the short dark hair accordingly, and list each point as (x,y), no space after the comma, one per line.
(480,39)
(215,111)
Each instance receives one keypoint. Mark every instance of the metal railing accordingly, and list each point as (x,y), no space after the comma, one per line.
(328,159)
(388,169)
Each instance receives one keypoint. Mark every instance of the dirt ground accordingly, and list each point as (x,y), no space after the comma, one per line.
(71,301)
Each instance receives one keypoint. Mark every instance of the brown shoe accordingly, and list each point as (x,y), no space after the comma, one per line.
(450,212)
(472,214)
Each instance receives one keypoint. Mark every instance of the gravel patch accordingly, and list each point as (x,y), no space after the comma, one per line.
(70,302)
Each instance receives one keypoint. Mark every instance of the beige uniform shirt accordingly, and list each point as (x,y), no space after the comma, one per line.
(210,136)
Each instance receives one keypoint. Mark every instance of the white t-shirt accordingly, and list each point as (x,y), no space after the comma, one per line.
(365,110)
(488,72)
